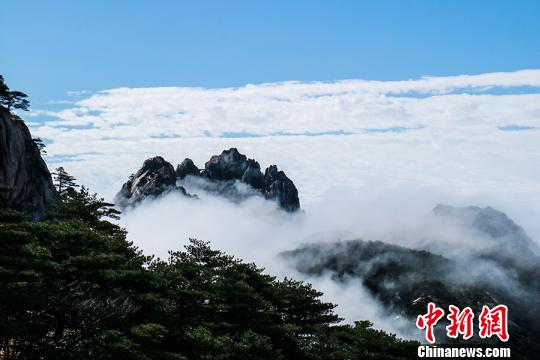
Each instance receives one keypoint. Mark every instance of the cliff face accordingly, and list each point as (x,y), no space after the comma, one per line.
(26,182)
(220,176)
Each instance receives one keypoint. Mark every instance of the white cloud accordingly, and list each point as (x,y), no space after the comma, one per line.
(440,132)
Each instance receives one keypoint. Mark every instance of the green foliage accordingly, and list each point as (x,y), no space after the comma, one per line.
(73,287)
(360,341)
(12,99)
(40,145)
(64,182)
(220,306)
(63,285)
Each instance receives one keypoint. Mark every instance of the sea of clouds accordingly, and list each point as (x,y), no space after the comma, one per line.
(370,160)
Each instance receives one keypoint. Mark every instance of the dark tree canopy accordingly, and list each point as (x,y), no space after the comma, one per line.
(3,87)
(12,99)
(63,181)
(40,145)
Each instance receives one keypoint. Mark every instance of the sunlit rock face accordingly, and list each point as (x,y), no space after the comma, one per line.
(230,174)
(25,180)
(155,178)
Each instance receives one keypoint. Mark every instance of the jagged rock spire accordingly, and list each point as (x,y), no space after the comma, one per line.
(157,176)
(154,178)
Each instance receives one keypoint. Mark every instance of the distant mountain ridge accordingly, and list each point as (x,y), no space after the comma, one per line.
(503,232)
(405,280)
(221,175)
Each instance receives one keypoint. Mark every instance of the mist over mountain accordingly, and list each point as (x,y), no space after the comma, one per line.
(504,270)
(464,256)
(503,234)
(449,255)
(269,180)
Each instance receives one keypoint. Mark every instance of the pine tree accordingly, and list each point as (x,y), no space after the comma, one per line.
(63,181)
(40,145)
(4,89)
(12,99)
(68,287)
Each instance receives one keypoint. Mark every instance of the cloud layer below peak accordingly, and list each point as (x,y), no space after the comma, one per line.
(477,135)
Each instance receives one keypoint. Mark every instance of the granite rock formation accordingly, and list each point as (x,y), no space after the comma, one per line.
(187,167)
(26,183)
(155,178)
(223,174)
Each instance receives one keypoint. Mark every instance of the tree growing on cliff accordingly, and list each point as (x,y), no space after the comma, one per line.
(63,181)
(12,99)
(3,87)
(40,145)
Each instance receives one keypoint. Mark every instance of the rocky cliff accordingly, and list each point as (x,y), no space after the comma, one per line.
(25,181)
(221,175)
(156,177)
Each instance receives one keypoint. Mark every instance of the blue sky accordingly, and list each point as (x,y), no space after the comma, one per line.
(59,46)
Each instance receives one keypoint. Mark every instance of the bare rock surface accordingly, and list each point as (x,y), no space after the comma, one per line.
(24,177)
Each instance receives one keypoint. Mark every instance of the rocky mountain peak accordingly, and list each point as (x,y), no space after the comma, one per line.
(157,164)
(278,186)
(230,165)
(252,175)
(153,179)
(187,167)
(220,175)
